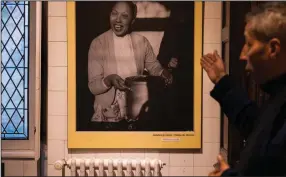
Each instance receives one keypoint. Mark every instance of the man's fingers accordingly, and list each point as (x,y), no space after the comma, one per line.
(219,167)
(209,58)
(209,54)
(220,159)
(216,55)
(212,58)
(205,63)
(213,173)
(223,164)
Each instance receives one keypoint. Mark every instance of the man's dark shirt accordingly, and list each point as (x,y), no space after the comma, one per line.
(264,128)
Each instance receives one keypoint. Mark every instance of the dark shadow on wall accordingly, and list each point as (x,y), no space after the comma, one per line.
(44,89)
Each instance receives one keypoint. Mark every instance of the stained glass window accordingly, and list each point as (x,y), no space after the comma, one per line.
(14,68)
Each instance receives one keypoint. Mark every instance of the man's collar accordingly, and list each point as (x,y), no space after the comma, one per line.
(273,86)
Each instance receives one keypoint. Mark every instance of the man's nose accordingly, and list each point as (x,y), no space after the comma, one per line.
(243,53)
(244,56)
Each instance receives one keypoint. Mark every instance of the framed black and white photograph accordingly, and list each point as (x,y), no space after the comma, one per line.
(134,74)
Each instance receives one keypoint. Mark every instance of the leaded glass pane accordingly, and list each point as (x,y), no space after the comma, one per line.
(14,68)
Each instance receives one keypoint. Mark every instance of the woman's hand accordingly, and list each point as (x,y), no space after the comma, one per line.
(173,63)
(116,81)
(167,76)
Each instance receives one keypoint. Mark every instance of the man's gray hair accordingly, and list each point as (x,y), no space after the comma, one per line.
(268,21)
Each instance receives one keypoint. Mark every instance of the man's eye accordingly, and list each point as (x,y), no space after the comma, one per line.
(125,16)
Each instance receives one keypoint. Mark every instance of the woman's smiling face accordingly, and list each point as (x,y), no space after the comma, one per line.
(121,18)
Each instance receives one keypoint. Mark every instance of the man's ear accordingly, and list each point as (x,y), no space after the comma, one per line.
(275,46)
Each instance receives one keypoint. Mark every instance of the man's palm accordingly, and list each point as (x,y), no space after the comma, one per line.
(213,65)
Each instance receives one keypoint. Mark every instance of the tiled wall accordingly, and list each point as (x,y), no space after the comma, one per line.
(20,167)
(178,164)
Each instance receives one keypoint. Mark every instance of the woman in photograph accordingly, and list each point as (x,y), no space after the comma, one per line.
(113,56)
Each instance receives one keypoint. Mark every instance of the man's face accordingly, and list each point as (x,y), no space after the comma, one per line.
(256,53)
(121,18)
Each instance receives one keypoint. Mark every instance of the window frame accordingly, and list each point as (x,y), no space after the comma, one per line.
(30,148)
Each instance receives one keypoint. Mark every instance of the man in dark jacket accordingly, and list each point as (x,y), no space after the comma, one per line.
(264,128)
